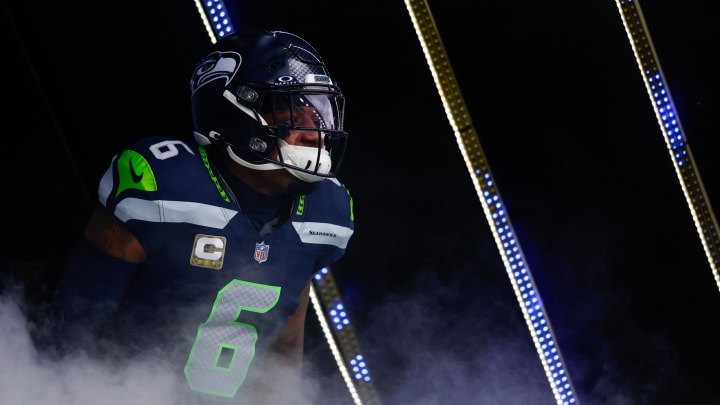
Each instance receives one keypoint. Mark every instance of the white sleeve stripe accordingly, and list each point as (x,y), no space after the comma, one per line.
(174,211)
(106,183)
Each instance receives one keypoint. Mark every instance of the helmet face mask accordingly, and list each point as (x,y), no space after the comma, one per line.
(315,113)
(268,98)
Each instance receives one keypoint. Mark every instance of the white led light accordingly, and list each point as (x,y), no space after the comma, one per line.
(216,10)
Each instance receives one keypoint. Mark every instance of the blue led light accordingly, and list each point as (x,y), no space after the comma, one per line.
(359,368)
(320,274)
(668,117)
(338,316)
(215,16)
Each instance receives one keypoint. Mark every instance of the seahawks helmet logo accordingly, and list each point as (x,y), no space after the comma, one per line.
(217,66)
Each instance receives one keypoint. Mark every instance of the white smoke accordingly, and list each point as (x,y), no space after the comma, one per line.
(440,342)
(30,377)
(443,354)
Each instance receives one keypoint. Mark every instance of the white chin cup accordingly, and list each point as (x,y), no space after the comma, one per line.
(305,157)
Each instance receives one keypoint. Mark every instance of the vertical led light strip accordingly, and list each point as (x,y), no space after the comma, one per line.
(215,17)
(669,121)
(328,304)
(519,273)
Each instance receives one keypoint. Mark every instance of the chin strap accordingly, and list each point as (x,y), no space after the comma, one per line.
(303,157)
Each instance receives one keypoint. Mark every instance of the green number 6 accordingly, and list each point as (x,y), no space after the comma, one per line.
(224,347)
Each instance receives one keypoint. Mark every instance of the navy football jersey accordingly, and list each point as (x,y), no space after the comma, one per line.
(214,292)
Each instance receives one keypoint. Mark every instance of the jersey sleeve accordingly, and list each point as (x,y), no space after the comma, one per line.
(162,180)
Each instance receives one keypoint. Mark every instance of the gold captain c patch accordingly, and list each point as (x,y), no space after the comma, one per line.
(208,251)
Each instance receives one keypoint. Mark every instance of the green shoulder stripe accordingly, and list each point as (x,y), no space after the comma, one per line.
(352,211)
(300,205)
(206,162)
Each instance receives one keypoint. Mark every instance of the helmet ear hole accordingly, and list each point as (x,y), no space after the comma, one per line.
(256,149)
(259,146)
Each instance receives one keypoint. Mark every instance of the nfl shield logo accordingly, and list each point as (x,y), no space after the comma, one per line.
(261,251)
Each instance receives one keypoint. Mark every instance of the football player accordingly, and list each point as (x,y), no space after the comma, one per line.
(202,252)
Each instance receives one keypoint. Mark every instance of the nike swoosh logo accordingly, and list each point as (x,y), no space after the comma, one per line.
(136,177)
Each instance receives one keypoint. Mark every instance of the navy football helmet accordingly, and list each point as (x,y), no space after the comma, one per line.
(257,86)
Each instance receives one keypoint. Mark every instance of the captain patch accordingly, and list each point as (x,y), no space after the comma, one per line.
(208,251)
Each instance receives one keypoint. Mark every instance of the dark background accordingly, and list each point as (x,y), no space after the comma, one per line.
(567,127)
